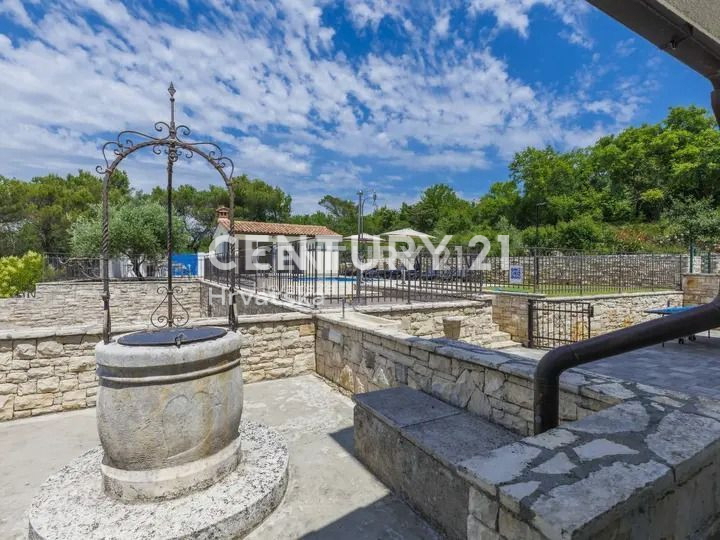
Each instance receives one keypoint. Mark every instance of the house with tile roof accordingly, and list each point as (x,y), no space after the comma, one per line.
(314,244)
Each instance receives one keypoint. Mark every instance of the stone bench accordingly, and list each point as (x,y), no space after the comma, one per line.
(414,443)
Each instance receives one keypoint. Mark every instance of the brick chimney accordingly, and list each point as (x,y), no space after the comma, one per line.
(222,213)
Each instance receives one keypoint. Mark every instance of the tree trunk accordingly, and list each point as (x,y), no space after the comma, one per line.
(136,268)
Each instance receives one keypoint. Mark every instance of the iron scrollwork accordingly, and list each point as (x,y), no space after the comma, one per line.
(171,141)
(159,317)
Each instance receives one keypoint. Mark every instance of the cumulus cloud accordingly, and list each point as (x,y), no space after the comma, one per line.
(270,82)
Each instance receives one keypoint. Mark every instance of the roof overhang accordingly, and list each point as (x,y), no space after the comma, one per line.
(689,30)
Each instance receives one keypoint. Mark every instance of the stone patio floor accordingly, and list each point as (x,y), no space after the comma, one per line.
(330,494)
(692,367)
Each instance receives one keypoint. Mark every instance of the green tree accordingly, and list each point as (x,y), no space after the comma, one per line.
(138,231)
(342,214)
(694,221)
(259,201)
(20,274)
(196,209)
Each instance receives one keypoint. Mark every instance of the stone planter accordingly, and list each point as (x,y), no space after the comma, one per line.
(452,326)
(168,416)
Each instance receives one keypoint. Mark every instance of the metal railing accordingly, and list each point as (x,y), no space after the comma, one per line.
(323,275)
(63,267)
(554,363)
(552,323)
(568,272)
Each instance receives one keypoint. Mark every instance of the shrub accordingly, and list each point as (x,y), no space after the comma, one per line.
(20,274)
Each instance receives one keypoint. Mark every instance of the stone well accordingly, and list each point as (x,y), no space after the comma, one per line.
(176,461)
(168,416)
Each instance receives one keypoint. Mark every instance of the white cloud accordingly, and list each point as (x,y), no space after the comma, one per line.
(266,82)
(16,11)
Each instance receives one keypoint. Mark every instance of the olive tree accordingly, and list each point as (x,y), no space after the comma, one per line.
(138,230)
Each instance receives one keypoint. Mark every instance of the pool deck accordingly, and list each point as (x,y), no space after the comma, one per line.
(330,494)
(692,367)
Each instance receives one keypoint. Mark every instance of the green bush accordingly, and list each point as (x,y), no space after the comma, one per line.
(20,274)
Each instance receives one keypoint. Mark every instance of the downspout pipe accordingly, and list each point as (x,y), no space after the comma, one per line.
(555,362)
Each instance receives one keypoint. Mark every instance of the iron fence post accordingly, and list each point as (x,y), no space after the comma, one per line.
(530,322)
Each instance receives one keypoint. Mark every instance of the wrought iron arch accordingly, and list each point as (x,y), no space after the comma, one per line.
(170,142)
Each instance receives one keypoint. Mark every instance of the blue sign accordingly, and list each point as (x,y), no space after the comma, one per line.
(185,264)
(516,275)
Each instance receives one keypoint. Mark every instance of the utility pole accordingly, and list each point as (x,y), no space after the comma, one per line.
(362,199)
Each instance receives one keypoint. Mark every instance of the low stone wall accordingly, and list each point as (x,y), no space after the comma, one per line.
(75,303)
(510,313)
(700,288)
(616,311)
(610,312)
(427,320)
(629,460)
(216,299)
(50,370)
(366,359)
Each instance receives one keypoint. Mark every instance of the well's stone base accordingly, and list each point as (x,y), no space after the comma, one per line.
(71,503)
(171,482)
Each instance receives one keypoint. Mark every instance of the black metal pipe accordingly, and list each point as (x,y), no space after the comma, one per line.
(554,363)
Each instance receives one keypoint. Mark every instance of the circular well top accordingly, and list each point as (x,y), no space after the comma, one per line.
(171,336)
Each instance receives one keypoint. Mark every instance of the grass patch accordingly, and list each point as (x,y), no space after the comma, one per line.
(554,290)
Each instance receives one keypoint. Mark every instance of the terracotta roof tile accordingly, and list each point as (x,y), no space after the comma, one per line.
(287,229)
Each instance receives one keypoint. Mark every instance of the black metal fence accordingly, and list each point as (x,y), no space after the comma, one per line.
(326,274)
(63,267)
(322,274)
(576,273)
(60,267)
(552,323)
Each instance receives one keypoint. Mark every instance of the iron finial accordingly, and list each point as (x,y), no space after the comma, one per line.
(171,89)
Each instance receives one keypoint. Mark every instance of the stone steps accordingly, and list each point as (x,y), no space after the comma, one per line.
(496,340)
(503,345)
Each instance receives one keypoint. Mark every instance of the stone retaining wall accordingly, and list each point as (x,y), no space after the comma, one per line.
(643,270)
(74,303)
(510,313)
(366,359)
(426,320)
(216,299)
(700,288)
(51,370)
(628,461)
(610,312)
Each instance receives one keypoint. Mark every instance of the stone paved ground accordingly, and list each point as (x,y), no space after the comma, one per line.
(330,494)
(693,367)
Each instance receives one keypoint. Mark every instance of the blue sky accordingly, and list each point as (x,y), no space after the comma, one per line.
(326,97)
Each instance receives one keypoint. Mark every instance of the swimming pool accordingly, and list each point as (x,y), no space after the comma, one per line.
(334,278)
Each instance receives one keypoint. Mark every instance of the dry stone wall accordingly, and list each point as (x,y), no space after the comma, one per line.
(79,302)
(610,312)
(700,288)
(42,372)
(619,311)
(48,370)
(642,270)
(629,460)
(491,384)
(429,320)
